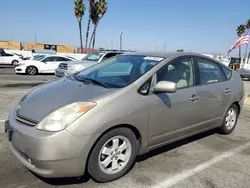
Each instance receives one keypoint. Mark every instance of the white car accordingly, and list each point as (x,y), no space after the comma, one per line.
(41,64)
(9,58)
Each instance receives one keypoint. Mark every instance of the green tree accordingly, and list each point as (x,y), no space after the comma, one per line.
(240,30)
(79,9)
(97,13)
(91,6)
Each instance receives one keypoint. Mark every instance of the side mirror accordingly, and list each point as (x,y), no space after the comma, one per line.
(165,87)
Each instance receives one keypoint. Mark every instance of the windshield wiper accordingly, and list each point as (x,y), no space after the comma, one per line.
(92,80)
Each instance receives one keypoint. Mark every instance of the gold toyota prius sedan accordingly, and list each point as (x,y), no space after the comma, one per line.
(98,120)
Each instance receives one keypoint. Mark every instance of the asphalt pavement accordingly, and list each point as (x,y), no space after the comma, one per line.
(207,160)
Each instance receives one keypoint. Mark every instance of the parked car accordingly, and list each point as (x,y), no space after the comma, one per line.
(67,68)
(9,58)
(244,73)
(41,64)
(101,118)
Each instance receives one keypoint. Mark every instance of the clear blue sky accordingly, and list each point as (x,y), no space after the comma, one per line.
(204,26)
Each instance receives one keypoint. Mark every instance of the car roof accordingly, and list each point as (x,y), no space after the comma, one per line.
(114,51)
(165,54)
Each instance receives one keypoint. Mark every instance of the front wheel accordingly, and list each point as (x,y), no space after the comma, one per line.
(113,155)
(230,120)
(31,70)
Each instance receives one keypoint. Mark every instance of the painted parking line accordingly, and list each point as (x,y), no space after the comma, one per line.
(2,120)
(247,101)
(179,177)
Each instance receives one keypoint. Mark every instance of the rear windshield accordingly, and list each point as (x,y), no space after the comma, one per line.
(95,56)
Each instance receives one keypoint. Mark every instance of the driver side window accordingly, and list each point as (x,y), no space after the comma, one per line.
(179,71)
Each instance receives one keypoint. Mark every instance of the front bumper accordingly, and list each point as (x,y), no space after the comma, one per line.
(48,154)
(245,76)
(63,72)
(20,69)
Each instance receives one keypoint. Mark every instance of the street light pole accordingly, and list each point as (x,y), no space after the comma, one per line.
(121,40)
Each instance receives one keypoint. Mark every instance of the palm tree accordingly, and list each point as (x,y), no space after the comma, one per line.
(79,9)
(248,24)
(91,6)
(97,13)
(240,30)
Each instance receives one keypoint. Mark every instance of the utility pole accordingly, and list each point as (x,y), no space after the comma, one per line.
(248,57)
(164,47)
(156,48)
(35,38)
(121,40)
(111,44)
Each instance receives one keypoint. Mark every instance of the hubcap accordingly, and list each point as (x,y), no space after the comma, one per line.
(31,70)
(231,119)
(114,155)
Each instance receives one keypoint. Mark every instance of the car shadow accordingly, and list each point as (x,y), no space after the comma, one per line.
(174,145)
(141,158)
(64,181)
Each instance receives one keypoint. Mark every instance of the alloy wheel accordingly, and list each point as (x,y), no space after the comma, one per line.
(231,118)
(114,155)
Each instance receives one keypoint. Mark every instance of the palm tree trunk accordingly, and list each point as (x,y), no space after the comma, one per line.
(239,51)
(87,34)
(80,29)
(93,45)
(91,39)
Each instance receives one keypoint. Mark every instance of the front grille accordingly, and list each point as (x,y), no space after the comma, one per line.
(26,121)
(63,66)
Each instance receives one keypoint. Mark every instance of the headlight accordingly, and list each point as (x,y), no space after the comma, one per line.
(63,117)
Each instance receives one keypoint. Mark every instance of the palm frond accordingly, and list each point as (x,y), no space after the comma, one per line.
(240,30)
(79,9)
(248,24)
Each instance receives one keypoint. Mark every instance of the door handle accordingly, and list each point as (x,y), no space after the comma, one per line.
(194,98)
(227,90)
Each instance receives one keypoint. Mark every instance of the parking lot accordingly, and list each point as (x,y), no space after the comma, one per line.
(208,160)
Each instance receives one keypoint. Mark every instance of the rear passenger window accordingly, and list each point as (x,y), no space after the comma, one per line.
(209,71)
(227,72)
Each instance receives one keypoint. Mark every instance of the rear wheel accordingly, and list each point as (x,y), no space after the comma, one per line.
(31,70)
(230,120)
(14,63)
(113,155)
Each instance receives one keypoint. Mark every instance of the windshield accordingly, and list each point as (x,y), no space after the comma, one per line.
(95,56)
(38,57)
(119,71)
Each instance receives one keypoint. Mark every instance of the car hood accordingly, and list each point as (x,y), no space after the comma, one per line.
(48,97)
(27,62)
(83,62)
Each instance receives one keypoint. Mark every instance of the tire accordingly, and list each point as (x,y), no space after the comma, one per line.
(14,63)
(228,127)
(31,70)
(98,171)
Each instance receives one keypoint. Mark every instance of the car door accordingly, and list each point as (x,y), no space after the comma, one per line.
(48,64)
(2,60)
(174,115)
(6,58)
(214,91)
